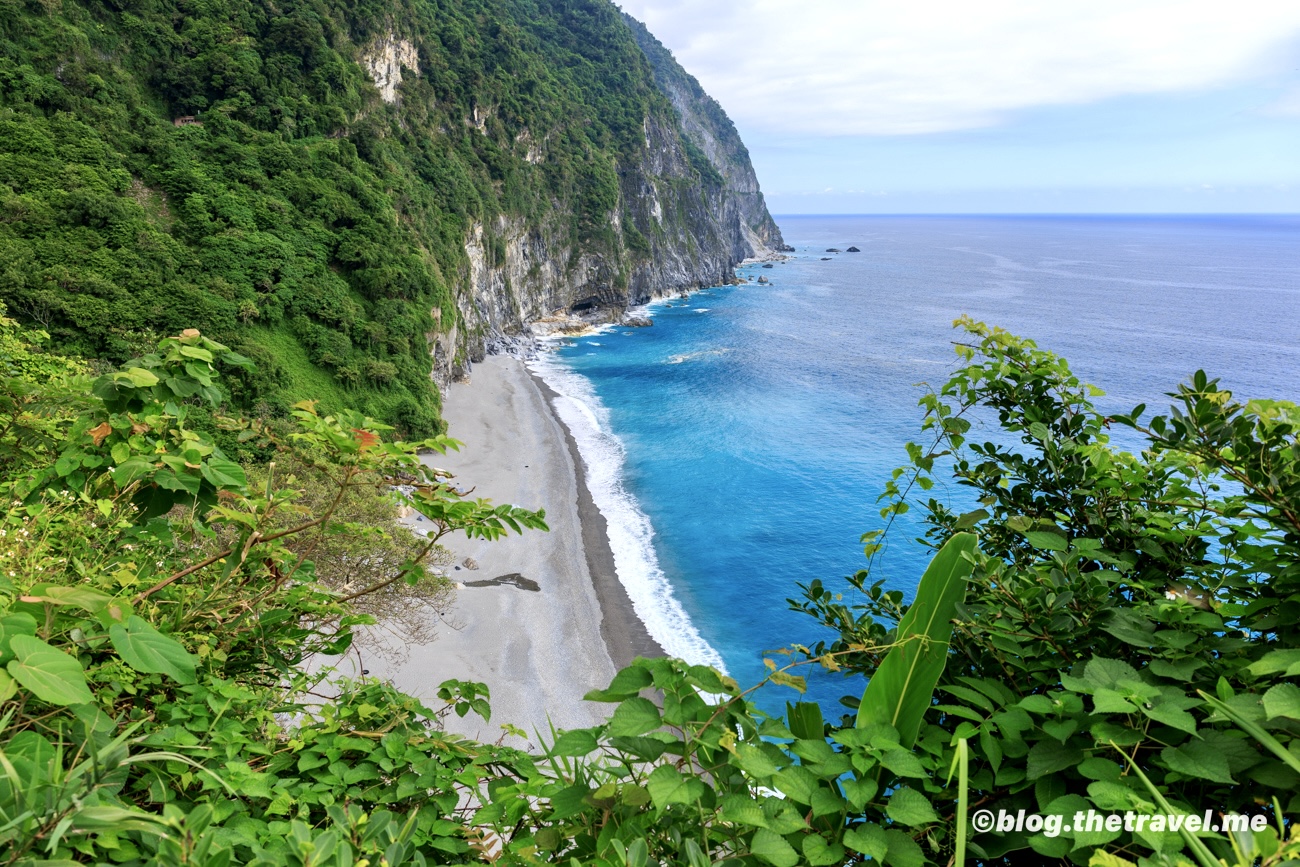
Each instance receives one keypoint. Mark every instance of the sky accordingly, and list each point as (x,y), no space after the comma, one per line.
(1003,106)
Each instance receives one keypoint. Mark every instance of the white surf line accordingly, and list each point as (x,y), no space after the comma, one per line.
(631,535)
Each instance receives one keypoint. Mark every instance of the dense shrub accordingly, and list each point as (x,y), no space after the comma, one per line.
(1109,631)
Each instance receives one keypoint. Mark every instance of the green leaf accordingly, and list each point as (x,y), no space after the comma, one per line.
(859,792)
(137,376)
(1109,673)
(910,807)
(742,811)
(1171,715)
(81,597)
(819,853)
(797,783)
(147,650)
(869,840)
(1283,700)
(1050,756)
(635,716)
(224,474)
(1285,662)
(901,689)
(904,763)
(1046,540)
(773,849)
(667,786)
(1198,760)
(903,851)
(755,761)
(578,742)
(1181,669)
(20,623)
(50,674)
(8,686)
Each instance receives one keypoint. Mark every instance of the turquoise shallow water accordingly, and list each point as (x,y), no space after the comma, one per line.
(738,446)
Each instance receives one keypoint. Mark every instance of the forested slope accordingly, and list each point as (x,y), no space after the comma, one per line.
(356,195)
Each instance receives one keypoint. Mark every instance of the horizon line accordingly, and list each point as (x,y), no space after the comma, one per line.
(1162,214)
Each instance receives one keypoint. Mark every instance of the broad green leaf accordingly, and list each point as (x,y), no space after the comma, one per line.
(859,792)
(50,674)
(1198,760)
(1182,669)
(773,849)
(635,716)
(904,763)
(1046,540)
(754,761)
(903,851)
(1285,662)
(1283,700)
(1253,729)
(667,786)
(1050,756)
(578,742)
(901,689)
(224,474)
(1171,715)
(137,376)
(911,808)
(869,840)
(805,719)
(20,623)
(796,782)
(818,853)
(1108,673)
(743,811)
(147,650)
(81,597)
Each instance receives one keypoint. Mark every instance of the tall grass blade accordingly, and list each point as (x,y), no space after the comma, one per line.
(1198,848)
(900,691)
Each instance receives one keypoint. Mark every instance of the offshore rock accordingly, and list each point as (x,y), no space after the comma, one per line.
(638,321)
(853,250)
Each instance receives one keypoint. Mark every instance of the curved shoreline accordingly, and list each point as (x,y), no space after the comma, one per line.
(624,634)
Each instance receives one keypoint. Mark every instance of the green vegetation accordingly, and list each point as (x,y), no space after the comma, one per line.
(1109,631)
(304,222)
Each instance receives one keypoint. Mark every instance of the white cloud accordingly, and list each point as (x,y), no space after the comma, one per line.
(888,67)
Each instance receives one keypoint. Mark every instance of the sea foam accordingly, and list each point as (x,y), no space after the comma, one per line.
(631,536)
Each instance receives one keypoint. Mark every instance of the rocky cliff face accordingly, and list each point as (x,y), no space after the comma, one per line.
(708,128)
(689,210)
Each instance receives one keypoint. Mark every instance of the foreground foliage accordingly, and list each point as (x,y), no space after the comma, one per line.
(1107,630)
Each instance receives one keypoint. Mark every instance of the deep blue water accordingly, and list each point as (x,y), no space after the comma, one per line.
(738,445)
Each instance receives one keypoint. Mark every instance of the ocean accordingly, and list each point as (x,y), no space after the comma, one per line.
(738,446)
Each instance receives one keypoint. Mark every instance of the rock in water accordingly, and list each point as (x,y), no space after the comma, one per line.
(763,280)
(826,258)
(469,563)
(638,321)
(832,250)
(853,250)
(769,265)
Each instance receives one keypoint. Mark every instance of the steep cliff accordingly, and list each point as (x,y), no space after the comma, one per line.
(708,128)
(360,195)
